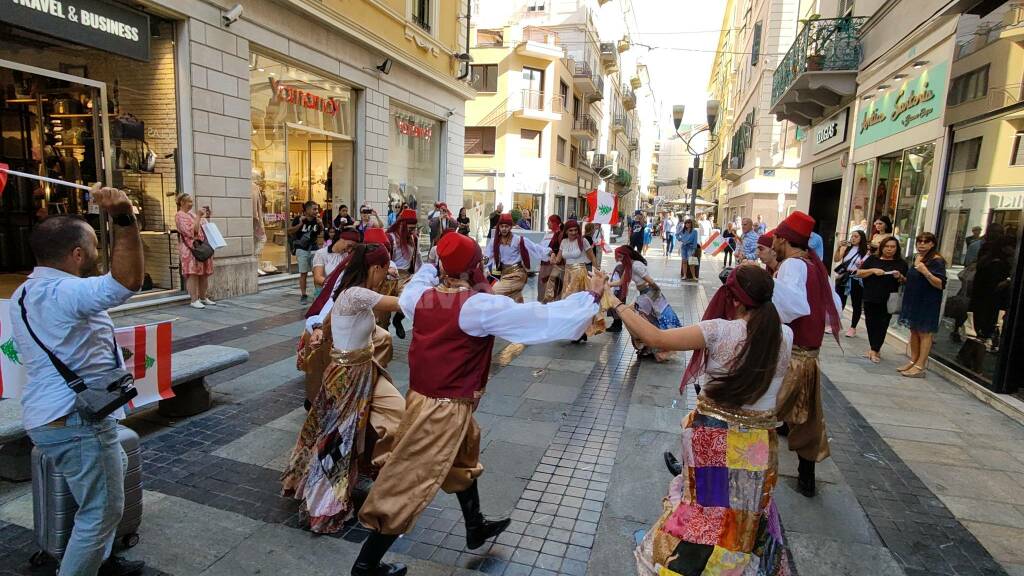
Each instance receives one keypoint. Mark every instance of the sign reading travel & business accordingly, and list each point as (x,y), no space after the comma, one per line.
(912,103)
(93,23)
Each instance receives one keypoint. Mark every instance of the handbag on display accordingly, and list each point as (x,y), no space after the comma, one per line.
(895,302)
(128,127)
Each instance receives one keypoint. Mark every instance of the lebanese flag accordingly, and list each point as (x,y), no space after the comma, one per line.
(714,244)
(604,207)
(147,355)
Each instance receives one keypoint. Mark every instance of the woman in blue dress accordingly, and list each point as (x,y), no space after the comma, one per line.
(922,299)
(687,239)
(631,267)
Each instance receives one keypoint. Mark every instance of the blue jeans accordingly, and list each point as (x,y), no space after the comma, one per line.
(670,242)
(90,457)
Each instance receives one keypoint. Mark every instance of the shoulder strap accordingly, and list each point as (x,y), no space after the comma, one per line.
(73,380)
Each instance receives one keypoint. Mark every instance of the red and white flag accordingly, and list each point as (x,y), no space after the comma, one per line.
(604,207)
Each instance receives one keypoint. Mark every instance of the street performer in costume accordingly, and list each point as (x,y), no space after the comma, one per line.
(631,267)
(576,251)
(453,329)
(326,461)
(405,240)
(807,302)
(511,255)
(549,281)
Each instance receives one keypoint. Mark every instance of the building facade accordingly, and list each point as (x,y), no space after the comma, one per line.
(251,113)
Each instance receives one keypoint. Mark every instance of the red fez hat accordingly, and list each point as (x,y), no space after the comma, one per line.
(766,239)
(407,215)
(796,228)
(376,236)
(506,218)
(457,253)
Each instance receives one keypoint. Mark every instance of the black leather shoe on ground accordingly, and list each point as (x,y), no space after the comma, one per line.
(478,529)
(805,478)
(115,566)
(368,563)
(673,464)
(616,326)
(396,321)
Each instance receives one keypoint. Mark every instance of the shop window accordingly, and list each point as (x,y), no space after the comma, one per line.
(560,150)
(480,140)
(966,155)
(969,86)
(490,38)
(484,77)
(1018,150)
(421,14)
(414,160)
(530,143)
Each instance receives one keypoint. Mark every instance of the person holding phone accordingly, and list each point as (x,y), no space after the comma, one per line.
(197,274)
(882,275)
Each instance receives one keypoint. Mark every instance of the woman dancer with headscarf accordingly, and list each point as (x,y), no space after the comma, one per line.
(576,251)
(404,238)
(549,281)
(651,303)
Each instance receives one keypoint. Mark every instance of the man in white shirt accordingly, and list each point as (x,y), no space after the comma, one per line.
(66,304)
(512,257)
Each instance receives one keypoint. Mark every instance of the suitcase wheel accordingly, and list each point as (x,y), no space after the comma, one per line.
(38,559)
(129,540)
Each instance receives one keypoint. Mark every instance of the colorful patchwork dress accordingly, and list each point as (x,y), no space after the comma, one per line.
(719,515)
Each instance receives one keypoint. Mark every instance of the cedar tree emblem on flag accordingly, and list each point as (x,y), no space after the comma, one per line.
(10,351)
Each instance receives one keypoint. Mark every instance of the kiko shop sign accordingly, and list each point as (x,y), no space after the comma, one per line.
(912,103)
(831,132)
(91,23)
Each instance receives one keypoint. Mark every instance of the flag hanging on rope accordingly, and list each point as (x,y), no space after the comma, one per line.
(604,207)
(146,350)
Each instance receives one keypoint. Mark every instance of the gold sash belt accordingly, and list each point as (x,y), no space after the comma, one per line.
(805,352)
(352,357)
(575,267)
(763,419)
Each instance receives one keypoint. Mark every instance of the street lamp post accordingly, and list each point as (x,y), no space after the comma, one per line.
(677,119)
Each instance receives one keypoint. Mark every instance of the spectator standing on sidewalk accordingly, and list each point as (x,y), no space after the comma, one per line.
(851,254)
(729,234)
(882,276)
(922,299)
(66,303)
(687,238)
(190,229)
(748,246)
(636,231)
(305,234)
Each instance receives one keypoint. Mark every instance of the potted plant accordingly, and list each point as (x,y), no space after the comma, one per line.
(815,56)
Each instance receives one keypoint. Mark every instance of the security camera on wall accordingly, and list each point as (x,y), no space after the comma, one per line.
(232,15)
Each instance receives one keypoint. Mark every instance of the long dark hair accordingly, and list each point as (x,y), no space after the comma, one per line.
(862,246)
(751,373)
(934,251)
(358,271)
(688,224)
(886,222)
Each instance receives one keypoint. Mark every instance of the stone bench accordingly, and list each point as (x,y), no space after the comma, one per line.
(189,369)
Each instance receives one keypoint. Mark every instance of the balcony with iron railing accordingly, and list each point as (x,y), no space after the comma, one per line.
(619,122)
(585,126)
(540,43)
(634,143)
(600,161)
(1010,27)
(582,162)
(537,105)
(598,93)
(628,97)
(583,77)
(818,71)
(609,57)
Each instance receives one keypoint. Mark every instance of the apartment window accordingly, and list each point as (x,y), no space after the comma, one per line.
(845,8)
(529,143)
(755,48)
(479,140)
(969,86)
(484,77)
(1018,150)
(421,13)
(535,5)
(574,155)
(560,150)
(490,38)
(563,91)
(966,154)
(576,108)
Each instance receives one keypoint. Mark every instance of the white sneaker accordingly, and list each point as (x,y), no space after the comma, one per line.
(198,304)
(208,302)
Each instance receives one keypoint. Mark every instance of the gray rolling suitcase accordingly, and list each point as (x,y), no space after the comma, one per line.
(54,507)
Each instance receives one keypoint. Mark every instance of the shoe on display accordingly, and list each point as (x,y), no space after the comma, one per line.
(197,304)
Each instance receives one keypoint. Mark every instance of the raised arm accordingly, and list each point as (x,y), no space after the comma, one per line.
(538,252)
(530,322)
(686,338)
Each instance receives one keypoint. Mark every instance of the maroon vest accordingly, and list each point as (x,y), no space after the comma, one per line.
(809,331)
(444,361)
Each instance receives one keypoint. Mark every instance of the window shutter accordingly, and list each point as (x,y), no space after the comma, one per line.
(755,50)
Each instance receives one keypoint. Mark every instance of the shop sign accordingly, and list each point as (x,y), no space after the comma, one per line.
(831,132)
(93,23)
(914,102)
(410,128)
(299,97)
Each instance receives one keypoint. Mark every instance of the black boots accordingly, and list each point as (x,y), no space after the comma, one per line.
(368,562)
(805,480)
(616,325)
(478,528)
(396,321)
(673,464)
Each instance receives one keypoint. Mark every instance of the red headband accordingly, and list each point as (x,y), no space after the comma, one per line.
(377,255)
(350,234)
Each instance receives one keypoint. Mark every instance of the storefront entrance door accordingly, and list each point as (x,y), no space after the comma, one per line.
(824,209)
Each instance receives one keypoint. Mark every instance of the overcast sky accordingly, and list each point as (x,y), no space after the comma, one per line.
(685,34)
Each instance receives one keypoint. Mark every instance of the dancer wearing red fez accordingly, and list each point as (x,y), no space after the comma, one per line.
(807,302)
(511,256)
(575,252)
(766,254)
(405,242)
(454,324)
(549,281)
(333,447)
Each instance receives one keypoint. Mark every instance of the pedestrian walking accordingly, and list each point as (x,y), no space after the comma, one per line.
(741,355)
(304,234)
(197,272)
(922,300)
(325,464)
(668,234)
(807,302)
(404,237)
(651,303)
(687,239)
(851,254)
(882,275)
(729,234)
(636,231)
(648,236)
(454,324)
(760,225)
(63,306)
(549,283)
(511,255)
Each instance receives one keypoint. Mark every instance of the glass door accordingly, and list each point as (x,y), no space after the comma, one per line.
(533,88)
(914,183)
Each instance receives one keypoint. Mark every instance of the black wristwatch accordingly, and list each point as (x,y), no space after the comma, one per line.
(126,219)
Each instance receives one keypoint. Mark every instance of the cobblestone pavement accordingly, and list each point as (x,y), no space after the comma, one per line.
(924,479)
